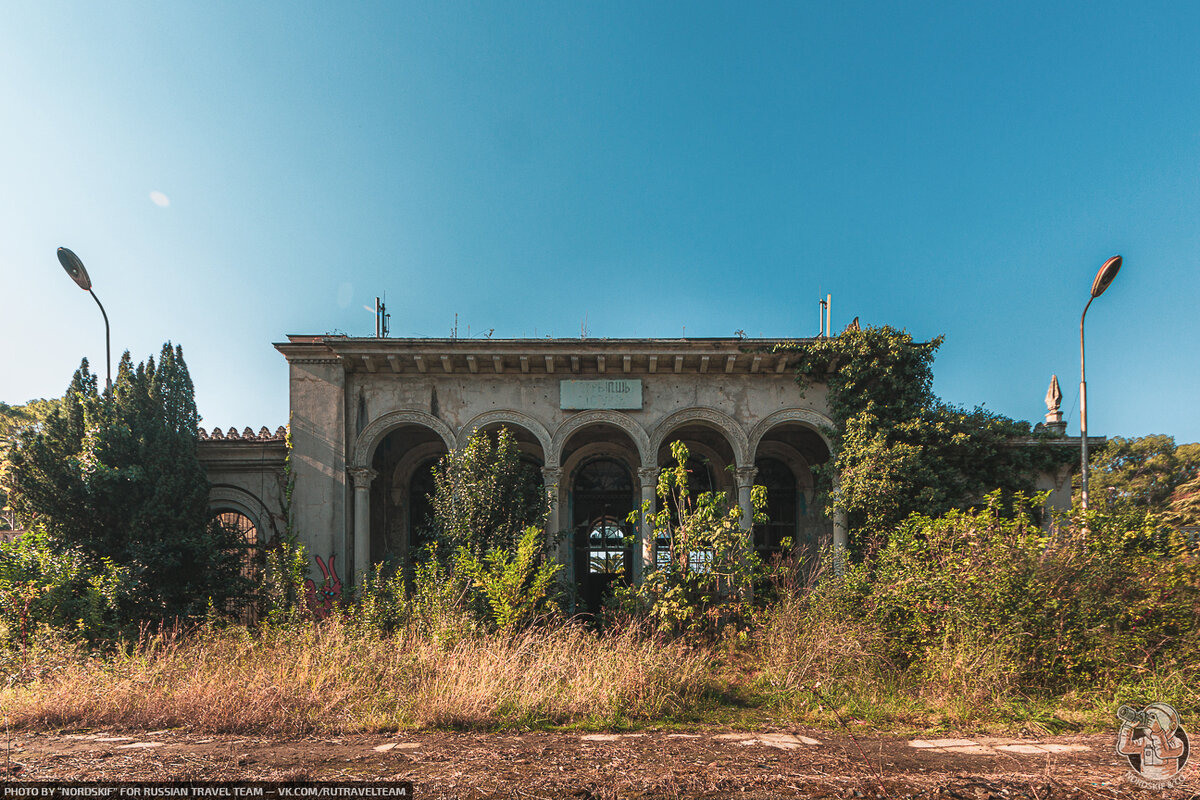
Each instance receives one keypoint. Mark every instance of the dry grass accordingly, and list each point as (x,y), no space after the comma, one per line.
(335,677)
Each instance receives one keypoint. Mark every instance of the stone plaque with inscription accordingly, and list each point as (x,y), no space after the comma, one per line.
(615,394)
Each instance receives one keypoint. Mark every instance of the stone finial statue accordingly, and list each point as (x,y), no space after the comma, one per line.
(1053,395)
(1054,417)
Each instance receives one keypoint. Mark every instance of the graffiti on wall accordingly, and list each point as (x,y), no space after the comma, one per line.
(321,598)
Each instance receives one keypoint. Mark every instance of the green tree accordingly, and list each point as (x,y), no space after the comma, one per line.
(15,420)
(1143,471)
(704,581)
(485,495)
(897,449)
(118,477)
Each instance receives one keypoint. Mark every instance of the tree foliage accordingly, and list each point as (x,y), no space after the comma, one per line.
(1143,471)
(986,589)
(118,477)
(1184,508)
(897,449)
(15,420)
(485,495)
(516,587)
(488,560)
(702,583)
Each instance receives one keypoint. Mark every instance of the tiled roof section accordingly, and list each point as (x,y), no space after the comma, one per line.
(247,434)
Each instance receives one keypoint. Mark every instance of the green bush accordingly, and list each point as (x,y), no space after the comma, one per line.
(979,605)
(516,587)
(117,475)
(42,585)
(504,590)
(705,581)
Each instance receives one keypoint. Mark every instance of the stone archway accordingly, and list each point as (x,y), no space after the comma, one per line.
(367,441)
(708,418)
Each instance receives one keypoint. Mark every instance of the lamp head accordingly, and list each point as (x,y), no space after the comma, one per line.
(1105,276)
(74,268)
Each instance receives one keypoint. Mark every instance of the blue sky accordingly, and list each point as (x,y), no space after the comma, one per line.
(230,173)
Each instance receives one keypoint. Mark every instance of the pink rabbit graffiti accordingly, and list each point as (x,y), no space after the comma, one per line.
(321,600)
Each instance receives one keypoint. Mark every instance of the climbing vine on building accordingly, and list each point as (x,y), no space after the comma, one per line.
(896,448)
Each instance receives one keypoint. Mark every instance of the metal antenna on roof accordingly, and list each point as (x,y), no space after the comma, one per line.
(382,318)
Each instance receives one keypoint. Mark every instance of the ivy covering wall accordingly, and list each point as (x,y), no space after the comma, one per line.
(897,448)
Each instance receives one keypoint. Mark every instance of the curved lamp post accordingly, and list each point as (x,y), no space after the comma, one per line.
(74,268)
(1103,278)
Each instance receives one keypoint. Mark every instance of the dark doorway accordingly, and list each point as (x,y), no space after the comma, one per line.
(785,506)
(602,499)
(420,508)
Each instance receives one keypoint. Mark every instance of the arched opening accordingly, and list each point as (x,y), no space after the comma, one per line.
(785,506)
(785,458)
(710,458)
(250,557)
(532,438)
(602,497)
(403,461)
(598,493)
(706,446)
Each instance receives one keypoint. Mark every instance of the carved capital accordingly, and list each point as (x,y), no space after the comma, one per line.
(745,476)
(649,476)
(362,476)
(551,476)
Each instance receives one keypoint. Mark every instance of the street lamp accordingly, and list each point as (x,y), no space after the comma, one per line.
(74,268)
(1103,278)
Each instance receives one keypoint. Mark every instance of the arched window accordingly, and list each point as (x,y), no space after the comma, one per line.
(785,505)
(602,498)
(606,546)
(248,537)
(249,556)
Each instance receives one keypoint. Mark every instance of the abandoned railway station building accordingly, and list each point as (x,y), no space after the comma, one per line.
(370,417)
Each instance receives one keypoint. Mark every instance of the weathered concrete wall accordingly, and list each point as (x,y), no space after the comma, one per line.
(246,473)
(318,430)
(348,394)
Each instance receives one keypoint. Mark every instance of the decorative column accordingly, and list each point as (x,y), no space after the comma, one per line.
(745,483)
(362,477)
(841,541)
(551,477)
(644,562)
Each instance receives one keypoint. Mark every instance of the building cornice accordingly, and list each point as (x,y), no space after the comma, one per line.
(598,358)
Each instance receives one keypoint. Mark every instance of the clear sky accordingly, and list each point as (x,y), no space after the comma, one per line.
(234,172)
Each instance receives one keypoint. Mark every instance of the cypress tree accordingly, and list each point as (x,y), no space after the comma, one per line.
(119,477)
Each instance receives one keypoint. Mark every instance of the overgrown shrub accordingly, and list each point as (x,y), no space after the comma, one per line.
(282,596)
(710,565)
(979,606)
(450,597)
(45,586)
(515,587)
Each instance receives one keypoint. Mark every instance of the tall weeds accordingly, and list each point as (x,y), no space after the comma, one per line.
(973,614)
(339,677)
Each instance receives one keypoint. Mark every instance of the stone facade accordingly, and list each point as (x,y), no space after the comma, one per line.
(371,416)
(246,474)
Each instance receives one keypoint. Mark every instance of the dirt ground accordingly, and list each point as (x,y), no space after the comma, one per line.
(701,764)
